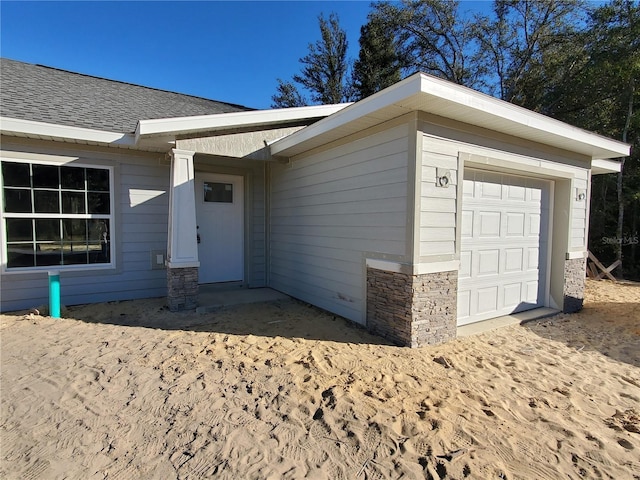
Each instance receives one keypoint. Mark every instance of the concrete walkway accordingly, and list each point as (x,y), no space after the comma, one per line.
(213,296)
(515,318)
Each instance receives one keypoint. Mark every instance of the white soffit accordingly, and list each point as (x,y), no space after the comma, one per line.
(51,131)
(230,121)
(426,93)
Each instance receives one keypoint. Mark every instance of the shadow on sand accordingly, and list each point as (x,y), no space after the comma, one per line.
(609,327)
(283,318)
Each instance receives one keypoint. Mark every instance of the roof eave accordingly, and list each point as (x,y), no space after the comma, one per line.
(426,93)
(230,121)
(52,131)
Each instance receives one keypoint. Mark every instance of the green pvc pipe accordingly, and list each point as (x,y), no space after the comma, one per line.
(54,294)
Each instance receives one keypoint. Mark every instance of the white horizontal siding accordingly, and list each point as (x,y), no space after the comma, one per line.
(579,213)
(331,207)
(438,204)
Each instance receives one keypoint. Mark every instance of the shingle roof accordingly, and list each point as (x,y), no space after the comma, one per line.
(45,94)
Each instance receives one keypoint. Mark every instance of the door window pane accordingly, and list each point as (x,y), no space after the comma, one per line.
(218,192)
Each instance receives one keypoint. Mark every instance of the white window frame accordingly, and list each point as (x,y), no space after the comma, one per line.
(77,267)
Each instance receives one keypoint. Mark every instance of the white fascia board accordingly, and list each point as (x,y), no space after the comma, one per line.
(226,121)
(422,92)
(30,128)
(488,106)
(600,166)
(369,105)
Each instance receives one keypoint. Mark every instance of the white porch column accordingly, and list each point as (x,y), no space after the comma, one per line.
(182,245)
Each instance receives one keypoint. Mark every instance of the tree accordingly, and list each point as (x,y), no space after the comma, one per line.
(287,95)
(378,64)
(608,101)
(527,47)
(433,37)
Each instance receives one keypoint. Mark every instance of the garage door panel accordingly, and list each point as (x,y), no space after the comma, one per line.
(515,224)
(488,224)
(465,265)
(512,294)
(513,258)
(504,228)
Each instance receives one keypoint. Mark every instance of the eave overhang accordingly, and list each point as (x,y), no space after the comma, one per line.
(226,122)
(429,94)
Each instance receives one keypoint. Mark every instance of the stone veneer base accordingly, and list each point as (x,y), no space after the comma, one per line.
(574,278)
(182,288)
(412,310)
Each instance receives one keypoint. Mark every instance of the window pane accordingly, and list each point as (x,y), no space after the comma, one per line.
(46,201)
(19,230)
(74,254)
(99,250)
(74,231)
(48,254)
(45,176)
(218,192)
(20,256)
(72,178)
(98,179)
(98,203)
(48,230)
(73,202)
(17,201)
(16,174)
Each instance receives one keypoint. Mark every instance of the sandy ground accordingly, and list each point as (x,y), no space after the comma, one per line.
(128,390)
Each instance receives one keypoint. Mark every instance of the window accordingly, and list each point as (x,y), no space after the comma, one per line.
(218,192)
(56,215)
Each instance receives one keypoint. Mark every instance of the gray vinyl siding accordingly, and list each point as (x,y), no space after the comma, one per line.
(136,231)
(331,209)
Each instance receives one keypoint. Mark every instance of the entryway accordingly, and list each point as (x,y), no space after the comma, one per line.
(220,220)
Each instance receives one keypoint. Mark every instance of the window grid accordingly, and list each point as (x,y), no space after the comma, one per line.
(75,238)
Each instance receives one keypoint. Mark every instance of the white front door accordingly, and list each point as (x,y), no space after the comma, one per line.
(220,220)
(503,245)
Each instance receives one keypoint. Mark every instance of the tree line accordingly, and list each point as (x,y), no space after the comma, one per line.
(567,59)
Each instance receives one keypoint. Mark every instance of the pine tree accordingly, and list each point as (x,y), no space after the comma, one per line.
(378,63)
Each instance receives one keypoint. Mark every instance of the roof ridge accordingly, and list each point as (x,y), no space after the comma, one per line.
(129,83)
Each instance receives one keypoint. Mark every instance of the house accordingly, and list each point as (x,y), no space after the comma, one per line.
(419,209)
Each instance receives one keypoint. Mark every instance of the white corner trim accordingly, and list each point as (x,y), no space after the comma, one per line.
(389,266)
(182,264)
(417,269)
(575,255)
(54,131)
(599,166)
(435,267)
(226,121)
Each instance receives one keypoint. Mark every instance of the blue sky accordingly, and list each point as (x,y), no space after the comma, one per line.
(229,51)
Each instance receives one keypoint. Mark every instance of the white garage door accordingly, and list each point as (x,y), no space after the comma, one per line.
(504,236)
